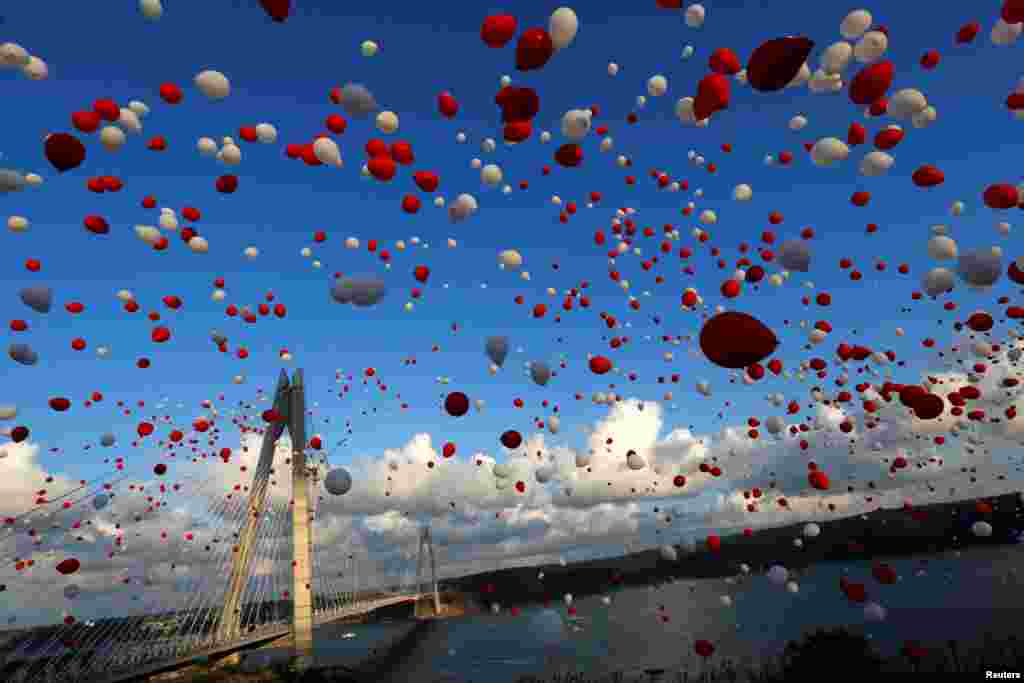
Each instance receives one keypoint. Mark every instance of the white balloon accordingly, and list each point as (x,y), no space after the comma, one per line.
(798,122)
(742,193)
(112,138)
(207,147)
(491,175)
(1005,34)
(266,133)
(14,55)
(576,123)
(874,612)
(828,151)
(613,69)
(836,57)
(812,530)
(387,122)
(876,163)
(562,27)
(695,15)
(870,47)
(33,179)
(198,245)
(17,224)
(657,85)
(905,103)
(855,24)
(684,110)
(368,48)
(251,253)
(152,10)
(942,248)
(35,70)
(981,528)
(231,154)
(778,575)
(924,118)
(213,84)
(687,51)
(148,234)
(510,259)
(326,150)
(141,109)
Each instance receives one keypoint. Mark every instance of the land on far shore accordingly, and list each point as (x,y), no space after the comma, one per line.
(927,529)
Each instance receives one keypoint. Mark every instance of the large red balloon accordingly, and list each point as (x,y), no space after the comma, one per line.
(64,151)
(456,404)
(511,439)
(775,63)
(872,82)
(736,340)
(534,49)
(928,406)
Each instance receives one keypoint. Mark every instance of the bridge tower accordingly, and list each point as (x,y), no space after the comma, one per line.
(427,543)
(290,404)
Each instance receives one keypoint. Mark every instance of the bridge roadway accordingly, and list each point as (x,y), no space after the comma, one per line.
(261,636)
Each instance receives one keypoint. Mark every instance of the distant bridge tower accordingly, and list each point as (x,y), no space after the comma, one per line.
(427,542)
(290,404)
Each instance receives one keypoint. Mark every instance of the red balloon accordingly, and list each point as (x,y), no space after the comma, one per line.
(736,340)
(517,104)
(887,138)
(600,365)
(569,155)
(872,82)
(497,30)
(97,225)
(928,406)
(704,648)
(456,404)
(775,63)
(818,480)
(336,124)
(411,203)
(86,121)
(1012,11)
(968,32)
(421,273)
(160,469)
(60,404)
(277,10)
(517,131)
(930,60)
(382,168)
(534,49)
(980,321)
(171,93)
(401,152)
(1001,196)
(447,105)
(856,135)
(511,439)
(724,61)
(68,566)
(426,180)
(448,450)
(227,184)
(712,96)
(64,151)
(928,176)
(107,109)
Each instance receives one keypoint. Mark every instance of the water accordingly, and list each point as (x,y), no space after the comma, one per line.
(954,597)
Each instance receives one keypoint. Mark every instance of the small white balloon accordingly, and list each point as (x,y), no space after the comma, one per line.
(213,84)
(387,122)
(368,48)
(152,10)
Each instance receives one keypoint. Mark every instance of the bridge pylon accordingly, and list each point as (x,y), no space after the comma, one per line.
(427,543)
(290,405)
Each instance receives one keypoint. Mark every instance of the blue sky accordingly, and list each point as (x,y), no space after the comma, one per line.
(281,73)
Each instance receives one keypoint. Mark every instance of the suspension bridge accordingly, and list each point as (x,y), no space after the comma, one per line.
(249,574)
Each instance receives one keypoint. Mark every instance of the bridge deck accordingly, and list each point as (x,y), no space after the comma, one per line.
(260,636)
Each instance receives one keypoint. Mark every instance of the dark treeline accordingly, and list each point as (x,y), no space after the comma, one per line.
(922,530)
